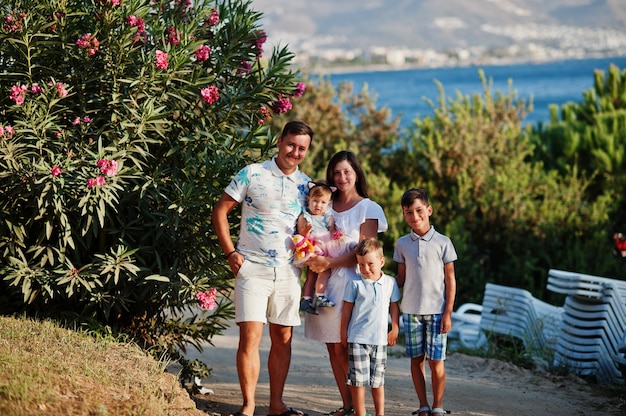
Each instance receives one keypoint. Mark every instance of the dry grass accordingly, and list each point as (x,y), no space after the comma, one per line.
(47,370)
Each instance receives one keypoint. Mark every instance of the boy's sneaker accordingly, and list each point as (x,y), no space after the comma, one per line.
(306,305)
(322,301)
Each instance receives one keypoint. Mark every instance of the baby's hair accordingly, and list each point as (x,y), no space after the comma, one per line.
(320,188)
(369,245)
(412,194)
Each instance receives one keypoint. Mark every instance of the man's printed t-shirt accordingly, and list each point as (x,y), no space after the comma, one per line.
(270,204)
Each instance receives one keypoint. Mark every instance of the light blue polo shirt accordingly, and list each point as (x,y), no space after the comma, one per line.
(370,314)
(270,204)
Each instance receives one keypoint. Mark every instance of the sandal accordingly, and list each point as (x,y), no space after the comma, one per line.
(340,412)
(422,411)
(439,411)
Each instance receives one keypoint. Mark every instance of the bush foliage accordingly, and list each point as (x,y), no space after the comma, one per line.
(511,212)
(121,122)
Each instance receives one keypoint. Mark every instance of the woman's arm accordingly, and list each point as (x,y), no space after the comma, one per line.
(369,229)
(319,264)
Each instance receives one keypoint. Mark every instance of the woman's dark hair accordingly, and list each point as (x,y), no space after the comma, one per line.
(361,183)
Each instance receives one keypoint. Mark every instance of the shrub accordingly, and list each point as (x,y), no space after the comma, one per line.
(121,122)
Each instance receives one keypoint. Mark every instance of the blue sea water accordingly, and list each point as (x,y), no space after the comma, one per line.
(548,83)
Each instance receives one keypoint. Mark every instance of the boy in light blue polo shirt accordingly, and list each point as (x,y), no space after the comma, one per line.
(367,303)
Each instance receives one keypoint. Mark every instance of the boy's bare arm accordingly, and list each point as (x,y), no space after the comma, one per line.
(450,281)
(401,276)
(392,336)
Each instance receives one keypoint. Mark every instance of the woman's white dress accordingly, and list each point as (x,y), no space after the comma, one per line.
(326,326)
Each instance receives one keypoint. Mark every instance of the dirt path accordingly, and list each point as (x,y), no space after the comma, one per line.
(475,386)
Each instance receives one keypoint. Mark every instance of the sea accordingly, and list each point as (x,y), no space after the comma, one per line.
(405,91)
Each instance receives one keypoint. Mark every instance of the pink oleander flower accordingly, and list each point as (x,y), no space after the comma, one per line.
(35,89)
(208,299)
(107,167)
(17,94)
(106,2)
(172,36)
(87,120)
(214,18)
(260,40)
(91,182)
(14,22)
(336,235)
(61,89)
(300,88)
(244,67)
(8,131)
(140,36)
(210,94)
(161,60)
(56,171)
(183,5)
(264,114)
(76,121)
(100,181)
(202,54)
(282,105)
(89,42)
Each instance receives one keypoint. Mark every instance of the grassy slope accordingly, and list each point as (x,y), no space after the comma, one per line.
(48,370)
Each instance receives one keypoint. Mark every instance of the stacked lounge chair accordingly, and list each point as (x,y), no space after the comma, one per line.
(466,327)
(594,324)
(587,335)
(515,312)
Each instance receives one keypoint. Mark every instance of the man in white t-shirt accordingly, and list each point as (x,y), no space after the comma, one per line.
(267,284)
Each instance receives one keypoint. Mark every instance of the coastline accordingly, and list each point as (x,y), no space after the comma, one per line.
(325,70)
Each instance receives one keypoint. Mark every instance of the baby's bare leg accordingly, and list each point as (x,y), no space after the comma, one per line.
(321,282)
(308,289)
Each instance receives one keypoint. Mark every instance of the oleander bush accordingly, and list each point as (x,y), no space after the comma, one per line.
(121,122)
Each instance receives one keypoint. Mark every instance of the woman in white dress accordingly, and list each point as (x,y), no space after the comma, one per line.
(357,217)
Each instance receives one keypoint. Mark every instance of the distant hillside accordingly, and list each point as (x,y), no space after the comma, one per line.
(436,24)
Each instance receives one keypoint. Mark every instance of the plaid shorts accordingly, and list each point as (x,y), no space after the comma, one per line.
(366,365)
(423,336)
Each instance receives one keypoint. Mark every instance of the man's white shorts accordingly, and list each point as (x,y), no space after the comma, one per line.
(268,294)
